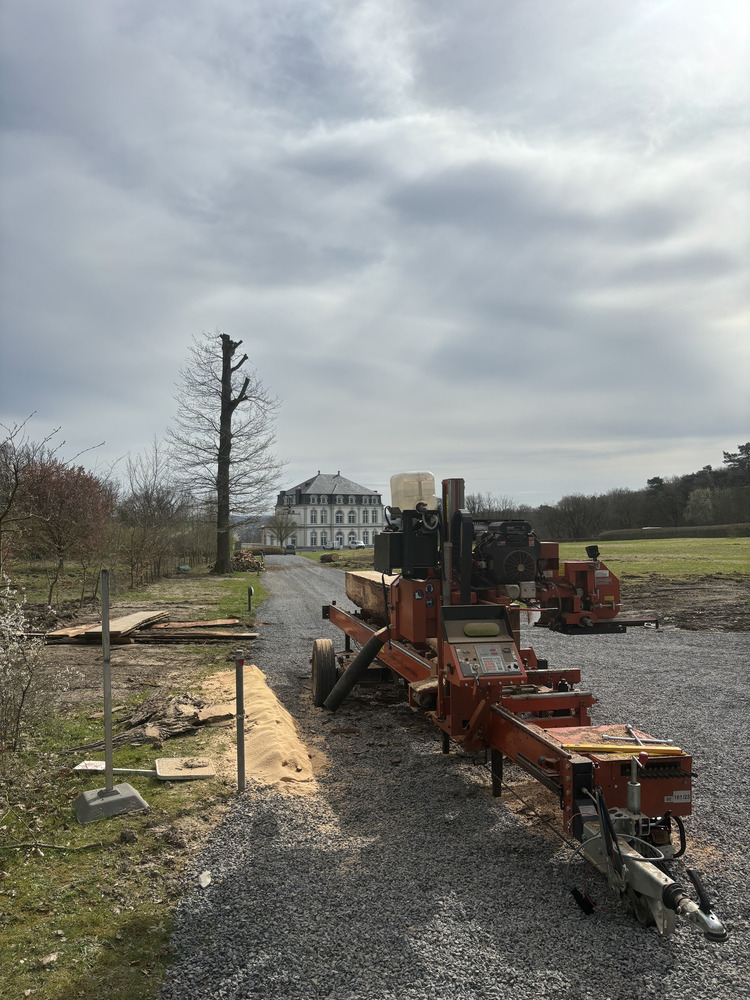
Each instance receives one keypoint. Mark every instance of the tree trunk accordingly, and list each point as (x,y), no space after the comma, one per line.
(223,564)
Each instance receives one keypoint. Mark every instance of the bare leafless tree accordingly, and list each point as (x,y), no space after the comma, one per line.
(18,456)
(223,435)
(281,525)
(150,514)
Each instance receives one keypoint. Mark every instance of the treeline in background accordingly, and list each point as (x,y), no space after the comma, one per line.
(712,501)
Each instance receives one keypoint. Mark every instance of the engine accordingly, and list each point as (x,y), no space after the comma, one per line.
(508,553)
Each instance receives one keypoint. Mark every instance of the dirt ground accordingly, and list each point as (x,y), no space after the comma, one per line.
(710,604)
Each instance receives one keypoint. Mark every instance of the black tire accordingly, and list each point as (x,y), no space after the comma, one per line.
(324,674)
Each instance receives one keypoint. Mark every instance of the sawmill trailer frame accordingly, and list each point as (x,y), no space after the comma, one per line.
(442,612)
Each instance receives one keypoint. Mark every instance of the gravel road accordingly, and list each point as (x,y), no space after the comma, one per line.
(403,878)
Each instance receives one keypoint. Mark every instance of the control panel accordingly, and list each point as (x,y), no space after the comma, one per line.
(487,659)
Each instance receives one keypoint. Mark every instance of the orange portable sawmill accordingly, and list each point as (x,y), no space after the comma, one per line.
(442,612)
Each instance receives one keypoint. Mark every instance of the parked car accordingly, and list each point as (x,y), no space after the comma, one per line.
(290,550)
(358,545)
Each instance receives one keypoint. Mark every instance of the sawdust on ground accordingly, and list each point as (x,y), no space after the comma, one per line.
(274,753)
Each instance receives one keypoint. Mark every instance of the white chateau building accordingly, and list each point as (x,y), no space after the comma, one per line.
(331,512)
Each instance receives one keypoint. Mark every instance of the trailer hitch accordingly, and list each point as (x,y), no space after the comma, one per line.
(675,898)
(639,879)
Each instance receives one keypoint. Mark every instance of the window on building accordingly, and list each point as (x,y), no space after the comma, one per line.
(313,538)
(312,499)
(324,517)
(339,517)
(339,499)
(365,516)
(352,500)
(313,517)
(365,537)
(352,517)
(323,539)
(374,517)
(352,537)
(339,540)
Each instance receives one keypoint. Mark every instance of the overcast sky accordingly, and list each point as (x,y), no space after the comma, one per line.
(504,240)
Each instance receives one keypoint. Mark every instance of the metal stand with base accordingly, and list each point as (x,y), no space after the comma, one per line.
(113,799)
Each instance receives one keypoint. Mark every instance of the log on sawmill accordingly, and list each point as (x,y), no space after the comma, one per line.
(365,589)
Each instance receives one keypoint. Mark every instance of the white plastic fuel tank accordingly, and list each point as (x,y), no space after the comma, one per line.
(410,488)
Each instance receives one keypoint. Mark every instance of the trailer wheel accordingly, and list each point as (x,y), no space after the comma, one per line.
(324,675)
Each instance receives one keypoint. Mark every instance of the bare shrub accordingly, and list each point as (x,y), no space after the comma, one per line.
(24,691)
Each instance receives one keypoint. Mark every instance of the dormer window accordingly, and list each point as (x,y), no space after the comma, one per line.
(339,499)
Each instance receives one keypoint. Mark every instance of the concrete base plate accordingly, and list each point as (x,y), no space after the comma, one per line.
(184,768)
(100,803)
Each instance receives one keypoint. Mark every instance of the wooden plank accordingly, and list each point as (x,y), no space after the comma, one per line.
(206,624)
(191,635)
(121,626)
(74,630)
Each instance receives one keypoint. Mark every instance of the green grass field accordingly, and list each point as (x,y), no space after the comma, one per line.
(678,558)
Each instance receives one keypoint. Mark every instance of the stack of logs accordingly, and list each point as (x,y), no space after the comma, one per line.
(246,562)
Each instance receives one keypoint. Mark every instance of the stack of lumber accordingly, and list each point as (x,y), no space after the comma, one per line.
(151,627)
(119,628)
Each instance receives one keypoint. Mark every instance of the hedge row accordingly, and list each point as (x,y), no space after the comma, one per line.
(692,531)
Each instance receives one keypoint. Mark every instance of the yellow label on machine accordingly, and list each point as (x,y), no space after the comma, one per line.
(631,749)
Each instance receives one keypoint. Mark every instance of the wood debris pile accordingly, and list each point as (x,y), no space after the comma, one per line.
(150,627)
(246,562)
(158,718)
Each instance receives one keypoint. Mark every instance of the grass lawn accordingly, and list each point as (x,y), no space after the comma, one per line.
(677,558)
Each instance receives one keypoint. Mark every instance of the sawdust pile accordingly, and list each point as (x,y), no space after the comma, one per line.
(274,753)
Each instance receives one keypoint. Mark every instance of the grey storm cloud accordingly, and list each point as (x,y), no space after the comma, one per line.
(456,234)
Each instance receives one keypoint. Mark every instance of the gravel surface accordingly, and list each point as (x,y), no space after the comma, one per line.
(403,878)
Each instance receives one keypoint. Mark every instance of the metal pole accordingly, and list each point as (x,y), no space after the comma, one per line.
(108,753)
(239,663)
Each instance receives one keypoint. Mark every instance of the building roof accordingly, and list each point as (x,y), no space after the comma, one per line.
(324,483)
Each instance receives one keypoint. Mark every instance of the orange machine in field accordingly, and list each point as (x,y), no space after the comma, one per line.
(443,613)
